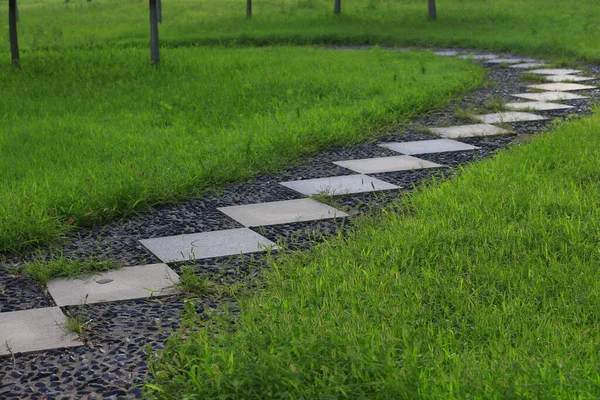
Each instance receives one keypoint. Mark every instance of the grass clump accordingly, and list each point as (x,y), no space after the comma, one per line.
(485,286)
(59,266)
(105,135)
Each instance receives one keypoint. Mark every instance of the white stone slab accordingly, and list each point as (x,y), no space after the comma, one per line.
(536,105)
(469,131)
(197,246)
(555,71)
(34,330)
(528,65)
(562,87)
(549,96)
(478,57)
(510,116)
(428,146)
(281,212)
(386,164)
(339,185)
(447,53)
(137,282)
(568,78)
(512,60)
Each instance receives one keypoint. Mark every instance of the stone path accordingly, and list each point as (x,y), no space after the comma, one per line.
(68,361)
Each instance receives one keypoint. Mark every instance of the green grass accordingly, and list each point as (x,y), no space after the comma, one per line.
(528,27)
(485,286)
(105,135)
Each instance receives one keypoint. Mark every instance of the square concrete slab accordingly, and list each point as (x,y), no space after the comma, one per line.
(562,87)
(513,60)
(386,164)
(568,78)
(469,131)
(428,146)
(536,105)
(549,96)
(207,245)
(339,185)
(555,71)
(448,53)
(510,116)
(34,330)
(137,282)
(529,65)
(478,57)
(281,212)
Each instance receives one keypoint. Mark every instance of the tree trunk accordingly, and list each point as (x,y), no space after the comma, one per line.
(337,7)
(159,10)
(432,10)
(154,53)
(248,8)
(12,33)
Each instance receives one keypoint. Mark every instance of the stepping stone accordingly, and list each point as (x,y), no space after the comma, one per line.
(137,282)
(478,57)
(339,185)
(549,96)
(34,330)
(528,65)
(449,53)
(536,105)
(568,78)
(428,146)
(386,164)
(511,61)
(469,131)
(554,71)
(511,116)
(281,212)
(562,87)
(207,245)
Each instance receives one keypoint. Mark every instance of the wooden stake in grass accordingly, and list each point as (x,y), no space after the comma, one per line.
(432,10)
(337,7)
(12,32)
(159,10)
(154,53)
(248,8)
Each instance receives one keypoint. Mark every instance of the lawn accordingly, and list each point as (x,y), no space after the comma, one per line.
(104,134)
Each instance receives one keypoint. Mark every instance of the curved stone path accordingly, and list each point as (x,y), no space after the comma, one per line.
(39,358)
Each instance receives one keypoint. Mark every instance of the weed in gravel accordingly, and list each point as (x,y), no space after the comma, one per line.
(192,283)
(495,104)
(60,265)
(534,78)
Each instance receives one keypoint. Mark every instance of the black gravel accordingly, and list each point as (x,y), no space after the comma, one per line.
(111,363)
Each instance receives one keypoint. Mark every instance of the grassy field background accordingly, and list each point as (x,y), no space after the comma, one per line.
(554,28)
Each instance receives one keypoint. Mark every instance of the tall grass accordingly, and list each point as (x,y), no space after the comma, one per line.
(486,286)
(530,27)
(91,135)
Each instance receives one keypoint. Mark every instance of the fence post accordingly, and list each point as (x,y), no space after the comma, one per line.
(337,7)
(432,10)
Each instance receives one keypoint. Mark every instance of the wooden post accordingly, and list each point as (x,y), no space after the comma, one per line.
(159,10)
(248,8)
(154,53)
(12,33)
(432,10)
(337,7)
